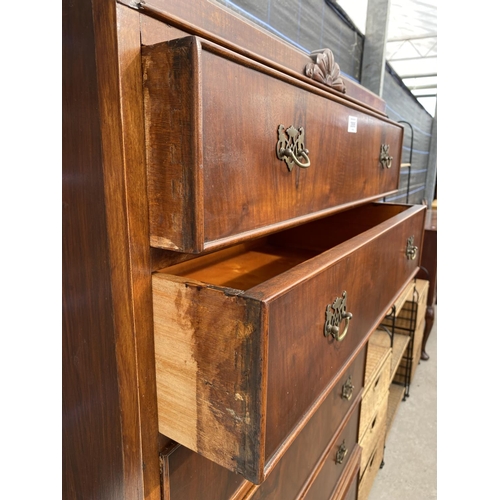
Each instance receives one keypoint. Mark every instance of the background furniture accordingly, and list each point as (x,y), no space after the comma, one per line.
(392,358)
(428,271)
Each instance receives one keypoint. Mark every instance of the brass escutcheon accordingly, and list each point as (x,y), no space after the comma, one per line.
(347,389)
(384,157)
(411,249)
(341,453)
(335,313)
(290,147)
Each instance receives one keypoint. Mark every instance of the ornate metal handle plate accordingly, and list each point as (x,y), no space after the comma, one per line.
(290,147)
(384,158)
(347,389)
(341,453)
(335,313)
(411,249)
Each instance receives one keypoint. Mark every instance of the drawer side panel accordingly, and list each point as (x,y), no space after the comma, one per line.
(209,372)
(172,111)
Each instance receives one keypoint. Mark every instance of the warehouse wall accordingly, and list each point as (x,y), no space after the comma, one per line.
(401,105)
(318,24)
(308,26)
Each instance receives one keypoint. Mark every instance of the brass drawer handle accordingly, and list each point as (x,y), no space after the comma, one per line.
(336,312)
(411,249)
(341,453)
(290,147)
(347,389)
(384,158)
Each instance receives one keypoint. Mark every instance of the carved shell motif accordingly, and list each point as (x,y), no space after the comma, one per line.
(325,70)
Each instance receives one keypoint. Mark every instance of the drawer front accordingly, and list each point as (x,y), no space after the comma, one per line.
(293,470)
(351,493)
(347,486)
(371,470)
(338,458)
(214,181)
(372,275)
(240,372)
(374,394)
(375,431)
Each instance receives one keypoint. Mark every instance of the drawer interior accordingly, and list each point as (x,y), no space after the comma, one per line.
(247,265)
(322,234)
(244,267)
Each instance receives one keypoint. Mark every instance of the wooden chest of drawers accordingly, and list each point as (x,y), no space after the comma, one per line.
(240,287)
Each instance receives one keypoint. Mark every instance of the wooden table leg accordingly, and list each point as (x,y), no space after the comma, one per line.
(429,322)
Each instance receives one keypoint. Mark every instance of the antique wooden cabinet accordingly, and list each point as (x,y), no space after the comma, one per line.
(225,257)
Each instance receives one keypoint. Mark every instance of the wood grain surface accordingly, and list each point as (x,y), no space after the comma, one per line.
(332,470)
(213,22)
(260,301)
(214,181)
(92,442)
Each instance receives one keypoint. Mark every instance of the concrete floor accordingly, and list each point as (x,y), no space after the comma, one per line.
(410,469)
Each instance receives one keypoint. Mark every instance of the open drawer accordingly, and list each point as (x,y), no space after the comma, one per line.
(250,340)
(236,149)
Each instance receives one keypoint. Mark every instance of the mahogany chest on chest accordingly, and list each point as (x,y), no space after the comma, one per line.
(252,255)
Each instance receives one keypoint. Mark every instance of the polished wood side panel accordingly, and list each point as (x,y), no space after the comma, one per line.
(92,445)
(117,31)
(120,136)
(212,22)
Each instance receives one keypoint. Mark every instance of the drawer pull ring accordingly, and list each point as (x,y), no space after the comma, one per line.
(341,453)
(290,147)
(335,313)
(411,249)
(347,389)
(384,158)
